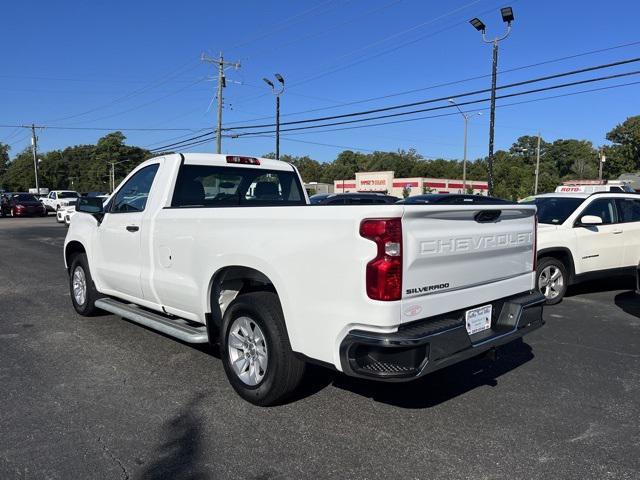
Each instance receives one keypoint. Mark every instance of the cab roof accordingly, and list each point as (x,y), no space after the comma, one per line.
(223,161)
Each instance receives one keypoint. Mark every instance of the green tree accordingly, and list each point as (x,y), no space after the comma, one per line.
(624,155)
(20,176)
(4,160)
(573,158)
(526,148)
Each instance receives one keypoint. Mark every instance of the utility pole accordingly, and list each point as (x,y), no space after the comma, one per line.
(112,177)
(34,145)
(221,84)
(603,158)
(535,188)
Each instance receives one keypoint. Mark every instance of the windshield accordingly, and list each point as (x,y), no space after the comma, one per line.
(68,195)
(555,210)
(24,197)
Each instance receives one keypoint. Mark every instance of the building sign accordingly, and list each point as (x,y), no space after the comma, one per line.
(374,181)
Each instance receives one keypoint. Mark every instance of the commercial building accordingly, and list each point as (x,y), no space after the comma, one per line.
(385,182)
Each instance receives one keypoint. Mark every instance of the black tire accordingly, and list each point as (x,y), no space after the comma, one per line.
(550,264)
(284,370)
(87,308)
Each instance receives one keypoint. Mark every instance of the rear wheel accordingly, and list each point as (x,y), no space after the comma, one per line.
(83,292)
(256,352)
(552,279)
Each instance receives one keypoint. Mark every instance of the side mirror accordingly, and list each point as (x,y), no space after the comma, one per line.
(590,221)
(92,206)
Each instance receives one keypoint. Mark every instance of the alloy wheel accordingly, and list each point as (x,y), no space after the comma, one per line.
(551,282)
(247,350)
(79,286)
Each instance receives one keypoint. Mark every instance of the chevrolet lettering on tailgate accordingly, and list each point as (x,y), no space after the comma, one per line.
(477,243)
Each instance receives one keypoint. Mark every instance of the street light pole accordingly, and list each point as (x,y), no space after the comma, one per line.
(277,93)
(507,17)
(466,117)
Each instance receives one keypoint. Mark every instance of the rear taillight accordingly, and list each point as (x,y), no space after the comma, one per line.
(535,243)
(384,272)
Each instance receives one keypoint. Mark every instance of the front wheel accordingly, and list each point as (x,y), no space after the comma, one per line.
(552,279)
(256,352)
(83,292)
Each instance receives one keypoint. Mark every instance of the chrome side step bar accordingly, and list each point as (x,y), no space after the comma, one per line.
(178,328)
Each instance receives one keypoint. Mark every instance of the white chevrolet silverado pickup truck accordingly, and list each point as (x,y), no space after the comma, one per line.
(227,250)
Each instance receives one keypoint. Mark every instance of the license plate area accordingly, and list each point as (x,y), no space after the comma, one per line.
(478,319)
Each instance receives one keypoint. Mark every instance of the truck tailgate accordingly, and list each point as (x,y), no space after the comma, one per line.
(462,256)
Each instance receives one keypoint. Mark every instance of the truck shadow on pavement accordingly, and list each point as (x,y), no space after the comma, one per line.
(177,457)
(628,302)
(624,282)
(431,390)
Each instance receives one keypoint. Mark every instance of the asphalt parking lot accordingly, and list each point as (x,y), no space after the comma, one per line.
(105,398)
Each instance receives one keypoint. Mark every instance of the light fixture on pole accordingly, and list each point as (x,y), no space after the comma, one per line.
(277,92)
(466,117)
(507,17)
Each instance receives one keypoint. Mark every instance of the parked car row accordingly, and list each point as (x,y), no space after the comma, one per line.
(19,204)
(62,202)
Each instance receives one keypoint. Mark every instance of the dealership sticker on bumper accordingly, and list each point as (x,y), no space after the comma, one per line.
(478,319)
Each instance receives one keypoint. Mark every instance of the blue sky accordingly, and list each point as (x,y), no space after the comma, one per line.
(136,64)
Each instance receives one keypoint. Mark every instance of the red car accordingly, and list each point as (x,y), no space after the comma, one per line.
(22,205)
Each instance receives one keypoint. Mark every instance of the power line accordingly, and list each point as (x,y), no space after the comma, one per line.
(334,26)
(386,39)
(111,129)
(284,24)
(163,79)
(551,97)
(164,147)
(442,107)
(390,50)
(439,99)
(450,83)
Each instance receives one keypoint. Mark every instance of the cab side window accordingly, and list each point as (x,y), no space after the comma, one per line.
(628,209)
(603,208)
(132,197)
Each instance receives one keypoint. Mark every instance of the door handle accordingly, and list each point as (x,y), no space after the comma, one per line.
(617,231)
(132,228)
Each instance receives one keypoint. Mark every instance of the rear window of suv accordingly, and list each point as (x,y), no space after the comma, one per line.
(214,186)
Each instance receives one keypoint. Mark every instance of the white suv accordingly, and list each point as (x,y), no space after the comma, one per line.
(582,236)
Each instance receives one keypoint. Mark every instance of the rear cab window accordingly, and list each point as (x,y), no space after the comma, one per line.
(216,186)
